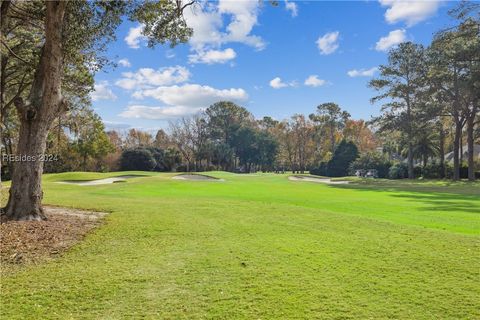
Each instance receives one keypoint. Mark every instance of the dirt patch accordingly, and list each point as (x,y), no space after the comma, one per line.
(100,181)
(196,177)
(315,179)
(26,242)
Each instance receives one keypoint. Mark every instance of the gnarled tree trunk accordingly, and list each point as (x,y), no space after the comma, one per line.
(45,102)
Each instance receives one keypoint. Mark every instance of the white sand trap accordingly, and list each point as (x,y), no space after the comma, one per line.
(196,177)
(315,179)
(99,181)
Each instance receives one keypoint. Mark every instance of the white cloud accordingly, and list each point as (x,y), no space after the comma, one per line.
(292,7)
(157,113)
(180,100)
(114,125)
(148,77)
(213,56)
(124,62)
(394,38)
(276,83)
(362,72)
(102,92)
(191,95)
(411,12)
(206,23)
(328,43)
(209,31)
(314,81)
(243,19)
(134,37)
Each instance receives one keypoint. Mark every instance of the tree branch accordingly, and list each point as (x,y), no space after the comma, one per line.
(12,52)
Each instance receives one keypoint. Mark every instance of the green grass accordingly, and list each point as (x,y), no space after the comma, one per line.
(260,247)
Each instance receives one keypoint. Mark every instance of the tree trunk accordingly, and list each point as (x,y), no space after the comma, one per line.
(456,151)
(26,192)
(442,152)
(332,138)
(461,148)
(3,64)
(470,143)
(84,162)
(411,174)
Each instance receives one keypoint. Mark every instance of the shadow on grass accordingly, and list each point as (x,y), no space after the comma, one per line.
(436,198)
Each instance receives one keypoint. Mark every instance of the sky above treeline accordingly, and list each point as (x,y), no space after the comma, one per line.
(274,61)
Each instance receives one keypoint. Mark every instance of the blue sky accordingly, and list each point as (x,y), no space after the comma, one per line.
(274,61)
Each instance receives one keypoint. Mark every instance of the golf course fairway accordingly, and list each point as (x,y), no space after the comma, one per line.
(258,246)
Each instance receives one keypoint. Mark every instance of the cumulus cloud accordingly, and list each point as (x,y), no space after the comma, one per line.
(292,7)
(206,23)
(181,100)
(394,38)
(243,18)
(102,91)
(124,62)
(157,113)
(314,81)
(148,77)
(277,83)
(191,95)
(135,36)
(411,12)
(213,56)
(210,33)
(362,72)
(328,43)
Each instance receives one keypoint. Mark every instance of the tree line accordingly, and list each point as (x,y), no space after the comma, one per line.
(227,137)
(433,91)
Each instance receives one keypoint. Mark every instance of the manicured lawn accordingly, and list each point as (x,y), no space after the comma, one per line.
(260,247)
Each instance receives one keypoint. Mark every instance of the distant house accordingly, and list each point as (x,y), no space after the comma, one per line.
(476,153)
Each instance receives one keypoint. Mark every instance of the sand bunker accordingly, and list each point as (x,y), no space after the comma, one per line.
(196,177)
(100,181)
(315,179)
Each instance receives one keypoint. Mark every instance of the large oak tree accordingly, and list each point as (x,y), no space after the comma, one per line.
(73,34)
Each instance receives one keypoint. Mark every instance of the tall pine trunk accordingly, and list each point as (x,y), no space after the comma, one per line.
(470,143)
(456,150)
(25,201)
(411,174)
(442,151)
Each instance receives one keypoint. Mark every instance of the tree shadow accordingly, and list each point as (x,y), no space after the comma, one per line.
(434,200)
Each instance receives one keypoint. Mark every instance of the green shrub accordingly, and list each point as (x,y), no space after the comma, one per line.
(398,171)
(344,155)
(372,160)
(137,159)
(434,170)
(320,170)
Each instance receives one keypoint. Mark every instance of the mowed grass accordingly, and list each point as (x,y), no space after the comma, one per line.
(259,247)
